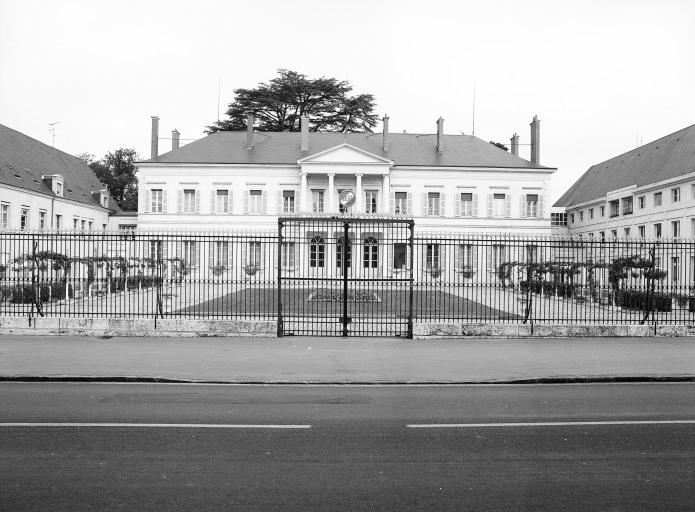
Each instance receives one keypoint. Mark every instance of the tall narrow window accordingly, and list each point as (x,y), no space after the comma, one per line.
(156,250)
(499,255)
(190,255)
(675,228)
(371,253)
(42,219)
(433,203)
(400,255)
(317,252)
(288,201)
(189,201)
(675,269)
(221,254)
(254,256)
(288,255)
(400,205)
(156,200)
(466,204)
(465,257)
(222,200)
(59,221)
(255,201)
(4,215)
(317,201)
(24,219)
(370,203)
(343,250)
(657,230)
(432,256)
(532,205)
(499,208)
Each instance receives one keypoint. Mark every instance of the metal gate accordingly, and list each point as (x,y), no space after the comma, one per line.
(345,276)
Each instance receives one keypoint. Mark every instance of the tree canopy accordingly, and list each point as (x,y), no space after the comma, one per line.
(117,171)
(279,104)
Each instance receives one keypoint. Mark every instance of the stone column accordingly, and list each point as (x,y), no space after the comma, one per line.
(331,193)
(304,195)
(359,200)
(386,194)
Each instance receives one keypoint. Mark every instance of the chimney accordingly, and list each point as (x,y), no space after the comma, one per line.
(175,139)
(386,133)
(535,140)
(304,125)
(515,145)
(440,135)
(155,137)
(249,130)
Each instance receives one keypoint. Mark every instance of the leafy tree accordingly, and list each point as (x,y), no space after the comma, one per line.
(117,171)
(279,104)
(499,145)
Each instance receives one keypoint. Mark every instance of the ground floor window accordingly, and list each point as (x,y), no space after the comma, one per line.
(371,253)
(341,247)
(221,254)
(432,256)
(288,255)
(156,250)
(254,255)
(317,252)
(400,256)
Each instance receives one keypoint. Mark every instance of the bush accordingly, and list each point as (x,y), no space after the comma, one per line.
(632,299)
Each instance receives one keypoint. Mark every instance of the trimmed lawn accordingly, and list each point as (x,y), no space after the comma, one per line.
(427,304)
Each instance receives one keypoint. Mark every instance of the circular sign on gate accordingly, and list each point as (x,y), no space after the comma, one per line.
(347,198)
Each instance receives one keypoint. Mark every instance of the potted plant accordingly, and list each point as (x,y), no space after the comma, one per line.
(251,270)
(218,270)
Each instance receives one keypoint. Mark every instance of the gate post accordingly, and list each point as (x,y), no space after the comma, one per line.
(411,243)
(280,331)
(343,265)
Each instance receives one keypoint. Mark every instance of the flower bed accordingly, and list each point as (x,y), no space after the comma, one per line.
(337,296)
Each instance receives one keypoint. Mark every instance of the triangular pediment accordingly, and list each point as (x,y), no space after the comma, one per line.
(345,154)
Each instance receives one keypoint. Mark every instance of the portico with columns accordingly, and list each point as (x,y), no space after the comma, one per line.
(344,167)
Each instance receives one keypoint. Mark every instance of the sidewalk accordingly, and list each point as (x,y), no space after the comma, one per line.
(337,360)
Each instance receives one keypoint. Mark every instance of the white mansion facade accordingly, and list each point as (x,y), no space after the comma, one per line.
(244,181)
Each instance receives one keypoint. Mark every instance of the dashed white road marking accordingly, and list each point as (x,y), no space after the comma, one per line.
(552,424)
(157,425)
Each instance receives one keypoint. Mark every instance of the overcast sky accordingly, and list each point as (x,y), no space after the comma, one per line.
(601,75)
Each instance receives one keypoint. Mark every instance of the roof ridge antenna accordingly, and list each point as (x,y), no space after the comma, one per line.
(52,128)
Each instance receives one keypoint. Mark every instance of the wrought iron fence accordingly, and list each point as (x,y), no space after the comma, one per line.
(394,278)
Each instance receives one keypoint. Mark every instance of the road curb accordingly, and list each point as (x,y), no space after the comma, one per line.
(314,382)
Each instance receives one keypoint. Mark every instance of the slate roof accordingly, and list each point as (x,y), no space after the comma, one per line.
(662,159)
(23,160)
(403,148)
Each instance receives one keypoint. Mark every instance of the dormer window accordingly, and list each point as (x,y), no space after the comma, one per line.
(105,201)
(59,188)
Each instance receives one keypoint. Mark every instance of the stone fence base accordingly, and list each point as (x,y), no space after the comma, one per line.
(181,327)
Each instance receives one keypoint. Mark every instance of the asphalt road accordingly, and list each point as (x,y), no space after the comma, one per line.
(619,447)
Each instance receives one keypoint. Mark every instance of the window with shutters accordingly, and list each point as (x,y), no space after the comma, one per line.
(222,201)
(288,255)
(370,253)
(370,201)
(433,203)
(465,257)
(220,255)
(4,215)
(400,205)
(288,201)
(400,256)
(255,201)
(156,250)
(189,201)
(675,195)
(466,204)
(432,256)
(254,258)
(317,252)
(317,201)
(499,206)
(156,200)
(532,205)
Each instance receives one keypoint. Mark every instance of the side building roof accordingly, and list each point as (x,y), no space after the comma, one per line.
(665,158)
(24,160)
(404,149)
